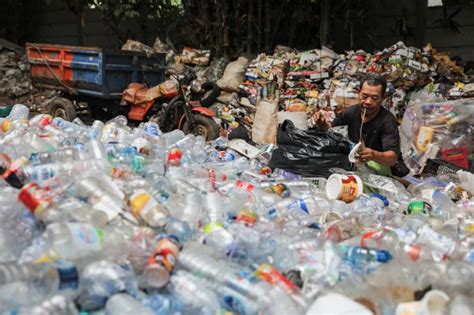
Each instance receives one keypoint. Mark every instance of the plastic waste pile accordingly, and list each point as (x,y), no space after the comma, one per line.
(438,135)
(320,79)
(118,220)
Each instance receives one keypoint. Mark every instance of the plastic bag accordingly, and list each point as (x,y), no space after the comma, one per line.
(310,153)
(310,143)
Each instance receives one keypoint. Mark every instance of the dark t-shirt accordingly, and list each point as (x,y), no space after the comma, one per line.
(380,134)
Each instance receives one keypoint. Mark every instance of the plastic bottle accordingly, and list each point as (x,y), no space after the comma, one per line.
(197,259)
(197,298)
(162,304)
(67,126)
(357,254)
(47,278)
(55,305)
(172,137)
(438,243)
(72,209)
(443,204)
(79,240)
(124,304)
(11,172)
(18,112)
(101,193)
(120,120)
(101,280)
(143,205)
(17,227)
(161,262)
(369,201)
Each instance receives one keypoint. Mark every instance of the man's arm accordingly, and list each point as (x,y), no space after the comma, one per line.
(388,158)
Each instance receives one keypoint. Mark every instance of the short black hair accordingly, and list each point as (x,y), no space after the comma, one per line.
(374,79)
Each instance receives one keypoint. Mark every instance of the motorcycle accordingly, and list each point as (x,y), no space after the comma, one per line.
(180,104)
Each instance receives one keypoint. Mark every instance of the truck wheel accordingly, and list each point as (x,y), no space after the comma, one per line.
(62,107)
(205,127)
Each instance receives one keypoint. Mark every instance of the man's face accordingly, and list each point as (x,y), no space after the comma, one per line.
(371,97)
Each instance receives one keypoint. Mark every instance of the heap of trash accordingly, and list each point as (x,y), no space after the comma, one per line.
(110,219)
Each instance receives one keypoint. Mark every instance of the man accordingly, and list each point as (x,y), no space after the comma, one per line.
(380,129)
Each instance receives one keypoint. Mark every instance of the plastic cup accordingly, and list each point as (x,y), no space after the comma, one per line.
(344,187)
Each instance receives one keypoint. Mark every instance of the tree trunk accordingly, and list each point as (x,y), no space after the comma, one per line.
(225,28)
(259,25)
(421,10)
(268,13)
(250,25)
(324,25)
(80,27)
(218,29)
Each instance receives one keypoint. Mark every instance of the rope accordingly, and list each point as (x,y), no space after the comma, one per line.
(361,126)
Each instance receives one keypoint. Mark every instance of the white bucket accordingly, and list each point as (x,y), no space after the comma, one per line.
(344,187)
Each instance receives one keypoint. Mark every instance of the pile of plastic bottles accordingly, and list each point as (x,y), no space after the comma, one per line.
(118,220)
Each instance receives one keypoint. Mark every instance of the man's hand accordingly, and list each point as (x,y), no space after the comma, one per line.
(319,121)
(388,158)
(367,154)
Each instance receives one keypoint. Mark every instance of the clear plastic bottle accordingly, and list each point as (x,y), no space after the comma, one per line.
(198,260)
(143,205)
(120,120)
(18,112)
(162,304)
(46,278)
(172,137)
(161,262)
(358,254)
(197,298)
(56,305)
(79,240)
(443,205)
(101,280)
(124,304)
(67,126)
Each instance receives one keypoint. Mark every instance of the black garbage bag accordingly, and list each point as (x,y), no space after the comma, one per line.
(310,152)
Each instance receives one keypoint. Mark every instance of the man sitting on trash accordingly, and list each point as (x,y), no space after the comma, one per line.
(381,140)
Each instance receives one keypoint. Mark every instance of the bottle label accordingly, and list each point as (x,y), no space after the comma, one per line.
(86,237)
(279,189)
(146,207)
(68,277)
(271,275)
(41,173)
(233,304)
(152,129)
(349,189)
(34,198)
(212,178)
(244,185)
(165,253)
(419,207)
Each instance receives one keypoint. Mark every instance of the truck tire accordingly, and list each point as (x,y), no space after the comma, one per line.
(206,127)
(62,107)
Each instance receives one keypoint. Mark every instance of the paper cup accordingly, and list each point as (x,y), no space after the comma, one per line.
(344,187)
